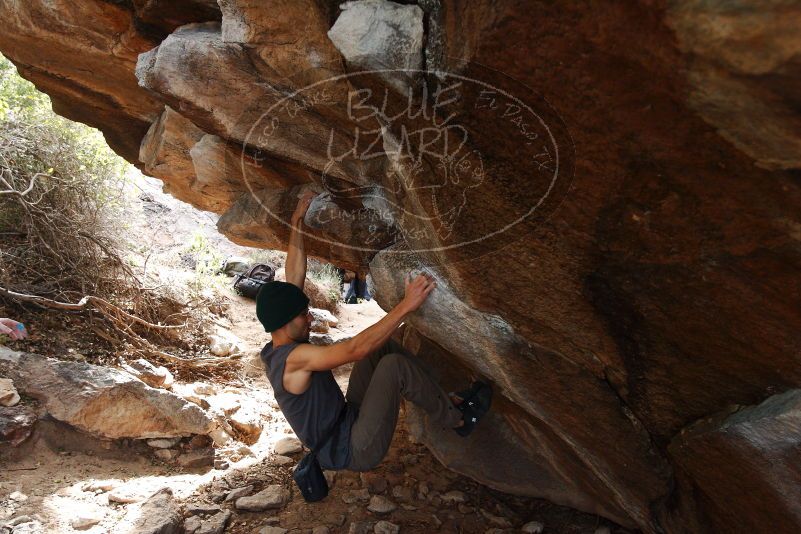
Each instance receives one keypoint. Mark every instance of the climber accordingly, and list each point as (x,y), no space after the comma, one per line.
(353,431)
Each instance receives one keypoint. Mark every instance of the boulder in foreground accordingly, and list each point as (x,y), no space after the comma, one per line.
(104,402)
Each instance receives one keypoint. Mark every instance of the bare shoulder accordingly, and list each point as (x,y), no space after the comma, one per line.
(308,357)
(300,355)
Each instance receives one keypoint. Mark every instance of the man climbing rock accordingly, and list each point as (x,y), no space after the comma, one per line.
(351,431)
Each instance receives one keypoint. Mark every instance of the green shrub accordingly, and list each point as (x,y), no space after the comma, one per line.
(327,276)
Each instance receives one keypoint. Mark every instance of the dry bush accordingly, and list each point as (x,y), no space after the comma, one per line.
(61,193)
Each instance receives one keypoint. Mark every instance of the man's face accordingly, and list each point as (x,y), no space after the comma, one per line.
(298,329)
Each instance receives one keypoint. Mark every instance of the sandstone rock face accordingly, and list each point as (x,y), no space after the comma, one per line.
(102,401)
(380,35)
(609,199)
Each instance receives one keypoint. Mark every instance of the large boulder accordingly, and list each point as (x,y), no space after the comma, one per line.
(105,402)
(742,459)
(608,197)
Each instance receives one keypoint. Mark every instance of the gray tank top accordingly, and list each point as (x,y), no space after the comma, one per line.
(312,413)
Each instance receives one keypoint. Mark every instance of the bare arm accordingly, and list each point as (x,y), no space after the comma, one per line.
(295,268)
(307,358)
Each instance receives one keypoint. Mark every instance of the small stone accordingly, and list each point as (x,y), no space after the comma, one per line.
(234,265)
(360,527)
(422,490)
(452,497)
(603,530)
(244,450)
(272,530)
(286,446)
(273,496)
(402,493)
(157,377)
(192,524)
(373,482)
(279,459)
(533,527)
(335,519)
(353,496)
(29,527)
(408,507)
(86,519)
(272,520)
(215,524)
(385,527)
(18,520)
(8,393)
(200,441)
(124,495)
(224,344)
(202,388)
(323,316)
(381,505)
(247,424)
(321,530)
(101,485)
(236,493)
(330,478)
(166,454)
(18,496)
(163,443)
(496,520)
(202,509)
(221,464)
(198,458)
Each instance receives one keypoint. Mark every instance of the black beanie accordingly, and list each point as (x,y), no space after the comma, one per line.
(278,303)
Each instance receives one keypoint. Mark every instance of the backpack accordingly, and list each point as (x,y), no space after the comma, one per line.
(249,283)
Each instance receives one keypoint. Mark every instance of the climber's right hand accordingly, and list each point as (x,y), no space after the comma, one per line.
(417,290)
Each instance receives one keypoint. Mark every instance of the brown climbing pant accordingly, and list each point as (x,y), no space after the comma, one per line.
(376,385)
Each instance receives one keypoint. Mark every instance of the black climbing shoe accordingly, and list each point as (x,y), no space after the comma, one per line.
(475,404)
